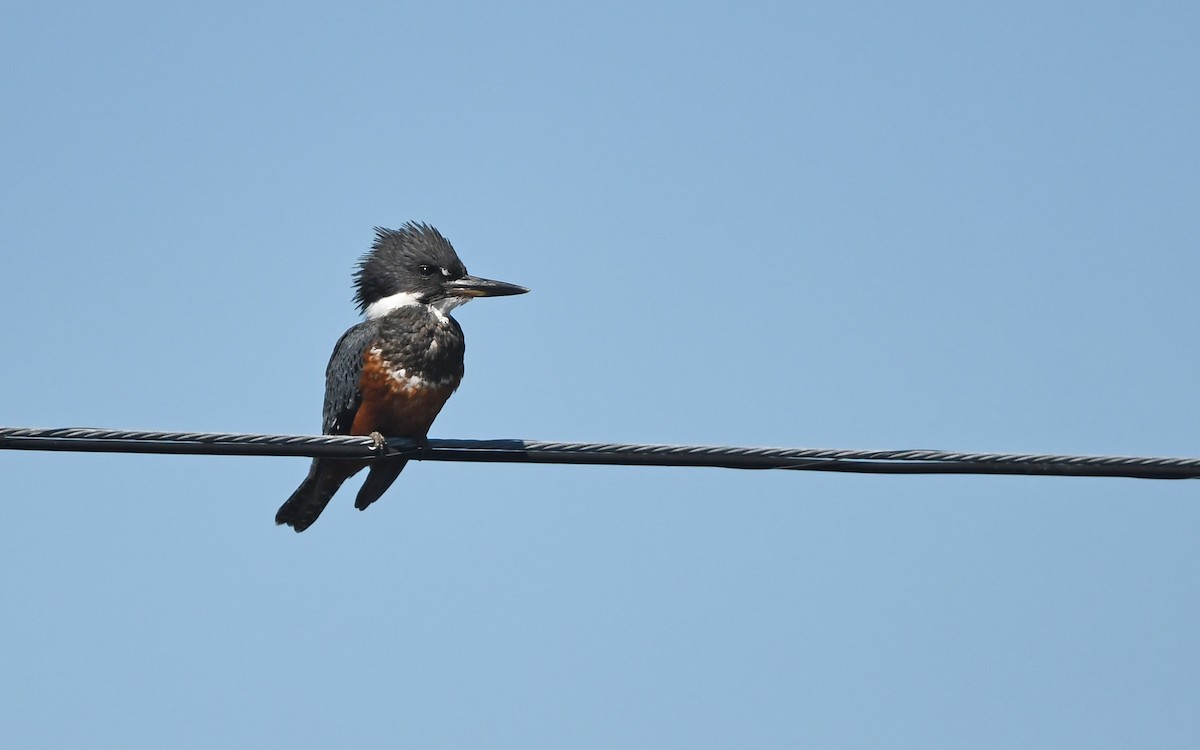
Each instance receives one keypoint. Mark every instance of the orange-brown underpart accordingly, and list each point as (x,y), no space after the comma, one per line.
(394,408)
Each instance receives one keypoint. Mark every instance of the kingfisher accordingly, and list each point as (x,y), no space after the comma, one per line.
(390,375)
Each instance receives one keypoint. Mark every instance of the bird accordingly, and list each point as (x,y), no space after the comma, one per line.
(391,374)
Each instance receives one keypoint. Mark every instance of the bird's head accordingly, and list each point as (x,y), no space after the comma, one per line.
(414,265)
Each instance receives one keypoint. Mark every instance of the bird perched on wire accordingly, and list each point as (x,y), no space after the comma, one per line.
(391,374)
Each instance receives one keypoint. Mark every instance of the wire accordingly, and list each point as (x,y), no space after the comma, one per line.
(614,454)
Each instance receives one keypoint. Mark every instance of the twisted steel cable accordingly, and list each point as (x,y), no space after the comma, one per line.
(618,454)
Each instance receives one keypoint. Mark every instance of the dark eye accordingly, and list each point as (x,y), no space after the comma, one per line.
(426,270)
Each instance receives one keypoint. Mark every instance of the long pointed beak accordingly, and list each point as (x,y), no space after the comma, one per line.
(473,286)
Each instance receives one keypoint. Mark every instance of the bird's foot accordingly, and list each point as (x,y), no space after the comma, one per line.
(380,442)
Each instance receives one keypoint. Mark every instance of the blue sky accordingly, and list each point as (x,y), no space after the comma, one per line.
(851,225)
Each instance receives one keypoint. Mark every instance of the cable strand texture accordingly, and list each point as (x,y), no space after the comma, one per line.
(533,451)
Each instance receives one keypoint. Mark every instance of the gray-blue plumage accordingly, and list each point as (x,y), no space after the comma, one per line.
(342,374)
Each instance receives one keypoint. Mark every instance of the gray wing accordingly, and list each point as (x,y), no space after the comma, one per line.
(342,376)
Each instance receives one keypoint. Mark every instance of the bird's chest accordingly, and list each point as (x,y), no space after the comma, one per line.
(407,376)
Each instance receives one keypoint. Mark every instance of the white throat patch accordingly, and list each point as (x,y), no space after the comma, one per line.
(379,308)
(382,307)
(446,304)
